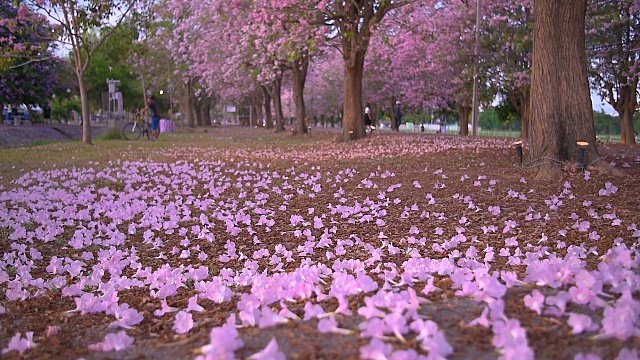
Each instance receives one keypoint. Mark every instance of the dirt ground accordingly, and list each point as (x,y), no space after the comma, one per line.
(431,186)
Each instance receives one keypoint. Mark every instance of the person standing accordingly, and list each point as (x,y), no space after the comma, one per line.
(152,107)
(397,115)
(46,112)
(367,117)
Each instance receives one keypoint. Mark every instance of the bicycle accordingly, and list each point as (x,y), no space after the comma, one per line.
(134,129)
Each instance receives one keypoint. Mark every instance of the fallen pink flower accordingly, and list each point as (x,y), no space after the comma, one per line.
(271,352)
(117,341)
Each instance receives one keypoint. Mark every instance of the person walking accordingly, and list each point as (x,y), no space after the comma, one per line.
(397,116)
(155,117)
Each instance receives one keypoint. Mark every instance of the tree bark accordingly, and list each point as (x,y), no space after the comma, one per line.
(267,108)
(199,117)
(626,107)
(206,112)
(525,117)
(86,109)
(300,67)
(277,103)
(190,105)
(353,122)
(258,105)
(561,111)
(464,111)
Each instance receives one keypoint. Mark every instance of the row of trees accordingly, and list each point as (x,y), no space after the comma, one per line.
(419,52)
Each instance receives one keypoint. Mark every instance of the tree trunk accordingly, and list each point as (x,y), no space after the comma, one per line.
(353,123)
(190,105)
(267,108)
(277,103)
(86,109)
(626,108)
(561,111)
(394,126)
(199,117)
(464,111)
(521,101)
(525,114)
(258,105)
(206,112)
(300,67)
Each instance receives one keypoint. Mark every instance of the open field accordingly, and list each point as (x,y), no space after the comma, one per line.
(400,246)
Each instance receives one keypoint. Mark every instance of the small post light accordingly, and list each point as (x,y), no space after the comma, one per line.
(518,146)
(582,150)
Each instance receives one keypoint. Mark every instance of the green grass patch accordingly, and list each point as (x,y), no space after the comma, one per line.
(112,134)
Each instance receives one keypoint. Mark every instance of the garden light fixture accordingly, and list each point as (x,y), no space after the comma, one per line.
(582,150)
(518,146)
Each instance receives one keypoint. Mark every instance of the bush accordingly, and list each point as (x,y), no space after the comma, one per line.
(61,109)
(112,134)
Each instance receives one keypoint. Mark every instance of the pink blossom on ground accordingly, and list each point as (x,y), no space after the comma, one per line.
(19,344)
(117,341)
(271,352)
(183,322)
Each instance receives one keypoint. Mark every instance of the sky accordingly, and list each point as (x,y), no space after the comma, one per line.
(599,105)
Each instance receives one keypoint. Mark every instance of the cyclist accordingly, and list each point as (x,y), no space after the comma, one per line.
(155,117)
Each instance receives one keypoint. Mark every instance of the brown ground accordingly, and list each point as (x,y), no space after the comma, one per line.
(402,155)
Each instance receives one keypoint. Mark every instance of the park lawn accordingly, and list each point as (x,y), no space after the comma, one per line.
(264,226)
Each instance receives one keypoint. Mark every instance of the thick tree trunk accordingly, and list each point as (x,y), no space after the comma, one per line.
(464,111)
(353,123)
(525,117)
(561,112)
(277,103)
(626,108)
(300,67)
(86,109)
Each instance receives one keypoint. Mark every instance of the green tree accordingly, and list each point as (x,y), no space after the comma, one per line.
(111,61)
(76,19)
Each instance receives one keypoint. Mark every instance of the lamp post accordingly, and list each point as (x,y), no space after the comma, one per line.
(474,116)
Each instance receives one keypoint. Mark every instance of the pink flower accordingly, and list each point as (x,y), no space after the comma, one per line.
(183,322)
(127,317)
(224,342)
(53,331)
(534,301)
(375,350)
(193,304)
(330,325)
(117,341)
(271,352)
(20,344)
(580,323)
(164,308)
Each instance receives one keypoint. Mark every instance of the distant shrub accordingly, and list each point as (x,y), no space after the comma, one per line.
(112,134)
